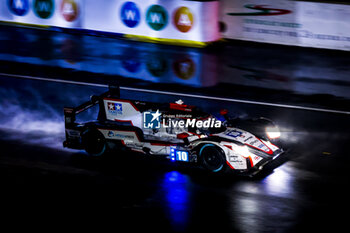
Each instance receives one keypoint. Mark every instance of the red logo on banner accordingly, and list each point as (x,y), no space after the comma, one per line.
(183,19)
(69,10)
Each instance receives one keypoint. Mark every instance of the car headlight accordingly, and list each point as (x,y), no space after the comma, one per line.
(273,132)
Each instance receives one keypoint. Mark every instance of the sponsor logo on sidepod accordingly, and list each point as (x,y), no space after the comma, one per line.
(151,120)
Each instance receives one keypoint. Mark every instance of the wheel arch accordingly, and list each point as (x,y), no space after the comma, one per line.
(204,144)
(87,134)
(201,144)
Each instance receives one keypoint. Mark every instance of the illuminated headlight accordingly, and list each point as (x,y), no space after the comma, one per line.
(273,132)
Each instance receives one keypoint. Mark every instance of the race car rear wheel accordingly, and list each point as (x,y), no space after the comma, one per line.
(212,158)
(93,142)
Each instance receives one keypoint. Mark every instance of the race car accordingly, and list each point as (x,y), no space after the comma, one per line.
(175,131)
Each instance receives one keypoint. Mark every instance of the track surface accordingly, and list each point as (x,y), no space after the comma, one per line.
(305,192)
(43,183)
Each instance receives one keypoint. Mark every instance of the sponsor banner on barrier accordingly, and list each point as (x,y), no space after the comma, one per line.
(298,23)
(60,13)
(181,20)
(163,19)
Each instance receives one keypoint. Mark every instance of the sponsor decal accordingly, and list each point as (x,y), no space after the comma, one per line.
(115,108)
(266,149)
(260,145)
(183,19)
(156,17)
(124,136)
(273,23)
(18,7)
(130,14)
(116,135)
(151,120)
(261,10)
(254,142)
(110,134)
(184,68)
(193,123)
(178,155)
(44,8)
(69,10)
(235,159)
(297,34)
(234,133)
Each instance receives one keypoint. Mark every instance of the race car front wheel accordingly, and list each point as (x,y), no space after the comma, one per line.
(93,142)
(212,158)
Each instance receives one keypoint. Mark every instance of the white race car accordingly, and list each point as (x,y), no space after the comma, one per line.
(176,131)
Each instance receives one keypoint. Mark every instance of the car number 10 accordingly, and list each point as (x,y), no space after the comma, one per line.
(182,156)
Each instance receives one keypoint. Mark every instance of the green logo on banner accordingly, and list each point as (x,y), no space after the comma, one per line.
(44,8)
(157,17)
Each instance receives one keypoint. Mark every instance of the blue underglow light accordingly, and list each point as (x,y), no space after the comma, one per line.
(177,199)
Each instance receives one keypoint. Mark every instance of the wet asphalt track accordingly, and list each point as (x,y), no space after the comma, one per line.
(305,191)
(43,183)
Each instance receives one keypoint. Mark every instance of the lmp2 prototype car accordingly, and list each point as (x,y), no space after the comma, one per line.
(178,132)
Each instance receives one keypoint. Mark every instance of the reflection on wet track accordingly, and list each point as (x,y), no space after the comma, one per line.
(177,195)
(286,70)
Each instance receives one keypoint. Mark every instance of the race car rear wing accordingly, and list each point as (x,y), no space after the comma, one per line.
(71,112)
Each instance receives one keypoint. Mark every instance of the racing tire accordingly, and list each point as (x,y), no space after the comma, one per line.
(94,142)
(212,158)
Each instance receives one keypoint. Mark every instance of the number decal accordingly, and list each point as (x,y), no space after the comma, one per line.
(182,156)
(178,155)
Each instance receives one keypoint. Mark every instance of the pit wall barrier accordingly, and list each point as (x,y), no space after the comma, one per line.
(178,21)
(300,23)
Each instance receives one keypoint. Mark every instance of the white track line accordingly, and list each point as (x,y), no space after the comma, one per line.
(182,94)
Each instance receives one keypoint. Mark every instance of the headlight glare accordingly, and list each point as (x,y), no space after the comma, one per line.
(273,132)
